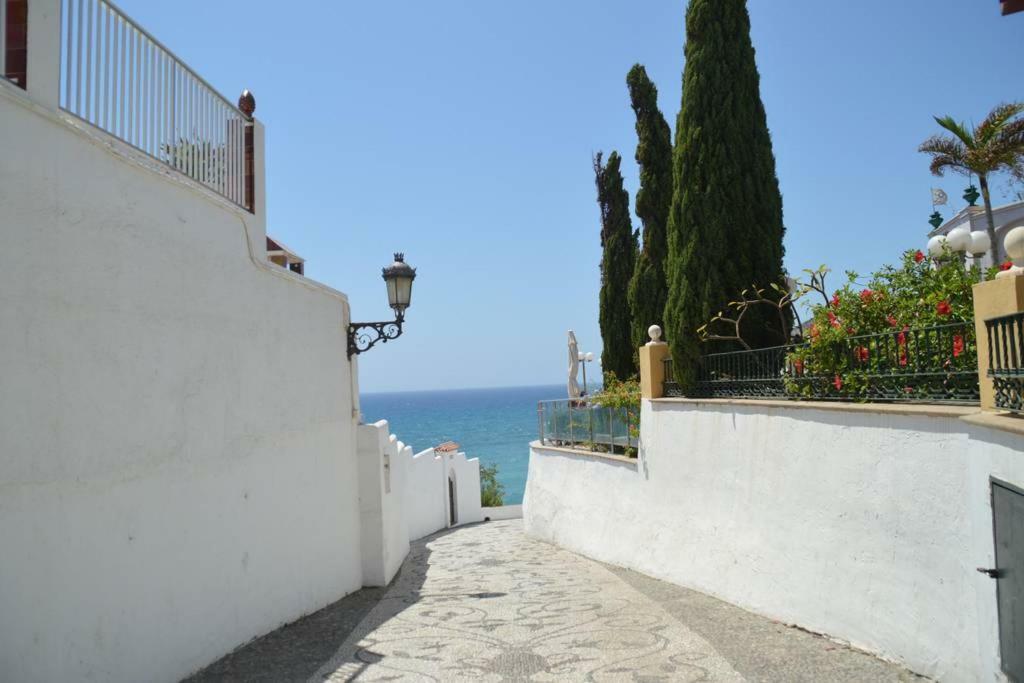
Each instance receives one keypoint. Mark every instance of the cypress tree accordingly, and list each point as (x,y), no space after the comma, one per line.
(619,245)
(725,224)
(648,290)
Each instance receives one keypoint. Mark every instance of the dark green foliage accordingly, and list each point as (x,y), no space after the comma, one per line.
(648,290)
(619,243)
(492,493)
(725,224)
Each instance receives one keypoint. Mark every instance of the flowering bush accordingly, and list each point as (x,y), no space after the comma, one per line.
(914,318)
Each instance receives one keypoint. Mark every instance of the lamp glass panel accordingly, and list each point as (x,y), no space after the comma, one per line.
(403,291)
(392,292)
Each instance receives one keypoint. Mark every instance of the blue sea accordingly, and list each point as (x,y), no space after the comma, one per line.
(495,425)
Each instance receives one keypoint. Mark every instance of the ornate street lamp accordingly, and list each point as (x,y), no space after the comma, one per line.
(398,277)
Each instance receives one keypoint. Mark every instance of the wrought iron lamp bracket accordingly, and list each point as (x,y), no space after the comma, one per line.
(363,336)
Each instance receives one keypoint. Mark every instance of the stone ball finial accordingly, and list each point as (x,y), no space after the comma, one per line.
(1013,243)
(247,103)
(654,331)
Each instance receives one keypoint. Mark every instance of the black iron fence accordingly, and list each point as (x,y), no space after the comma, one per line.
(929,364)
(582,424)
(1006,360)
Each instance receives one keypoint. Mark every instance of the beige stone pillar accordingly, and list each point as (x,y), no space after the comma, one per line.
(1002,296)
(652,369)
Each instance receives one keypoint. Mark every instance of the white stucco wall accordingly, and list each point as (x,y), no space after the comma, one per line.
(383,467)
(177,447)
(503,512)
(863,525)
(466,473)
(427,491)
(425,495)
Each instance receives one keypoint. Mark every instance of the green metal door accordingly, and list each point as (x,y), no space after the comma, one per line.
(1008,522)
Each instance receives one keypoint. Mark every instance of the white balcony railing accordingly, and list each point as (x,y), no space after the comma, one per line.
(121,79)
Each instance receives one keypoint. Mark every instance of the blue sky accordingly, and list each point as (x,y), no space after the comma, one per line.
(462,131)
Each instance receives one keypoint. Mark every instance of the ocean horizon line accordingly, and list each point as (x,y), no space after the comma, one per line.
(458,389)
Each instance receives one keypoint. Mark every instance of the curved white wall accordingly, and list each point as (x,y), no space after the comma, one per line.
(866,526)
(177,447)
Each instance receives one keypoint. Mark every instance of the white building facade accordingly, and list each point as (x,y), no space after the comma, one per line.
(180,471)
(1006,218)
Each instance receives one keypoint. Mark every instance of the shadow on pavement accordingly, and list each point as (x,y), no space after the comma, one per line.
(295,651)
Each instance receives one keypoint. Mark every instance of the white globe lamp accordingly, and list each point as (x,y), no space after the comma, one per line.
(936,246)
(959,238)
(979,244)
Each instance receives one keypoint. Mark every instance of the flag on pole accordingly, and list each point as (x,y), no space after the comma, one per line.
(939,197)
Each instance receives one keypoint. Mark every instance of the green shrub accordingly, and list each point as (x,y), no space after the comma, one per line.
(623,396)
(492,493)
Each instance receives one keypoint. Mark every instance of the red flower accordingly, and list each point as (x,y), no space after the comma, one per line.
(1006,265)
(798,365)
(835,300)
(892,321)
(918,256)
(837,382)
(943,308)
(867,296)
(901,340)
(958,345)
(832,320)
(861,353)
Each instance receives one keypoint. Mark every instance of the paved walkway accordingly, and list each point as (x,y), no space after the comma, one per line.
(486,603)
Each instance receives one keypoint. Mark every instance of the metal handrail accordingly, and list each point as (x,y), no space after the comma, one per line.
(178,60)
(936,363)
(118,77)
(576,423)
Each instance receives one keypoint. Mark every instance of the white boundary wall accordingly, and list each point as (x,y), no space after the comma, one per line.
(382,502)
(866,526)
(177,442)
(426,494)
(404,497)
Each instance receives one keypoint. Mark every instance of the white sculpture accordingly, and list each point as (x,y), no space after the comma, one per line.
(574,366)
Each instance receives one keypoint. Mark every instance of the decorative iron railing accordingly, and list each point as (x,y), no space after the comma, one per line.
(1006,360)
(929,364)
(122,80)
(584,425)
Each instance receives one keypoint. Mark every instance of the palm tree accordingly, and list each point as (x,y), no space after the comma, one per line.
(996,144)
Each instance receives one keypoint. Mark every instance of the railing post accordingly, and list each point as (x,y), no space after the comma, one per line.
(42,61)
(994,298)
(247,105)
(652,369)
(540,421)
